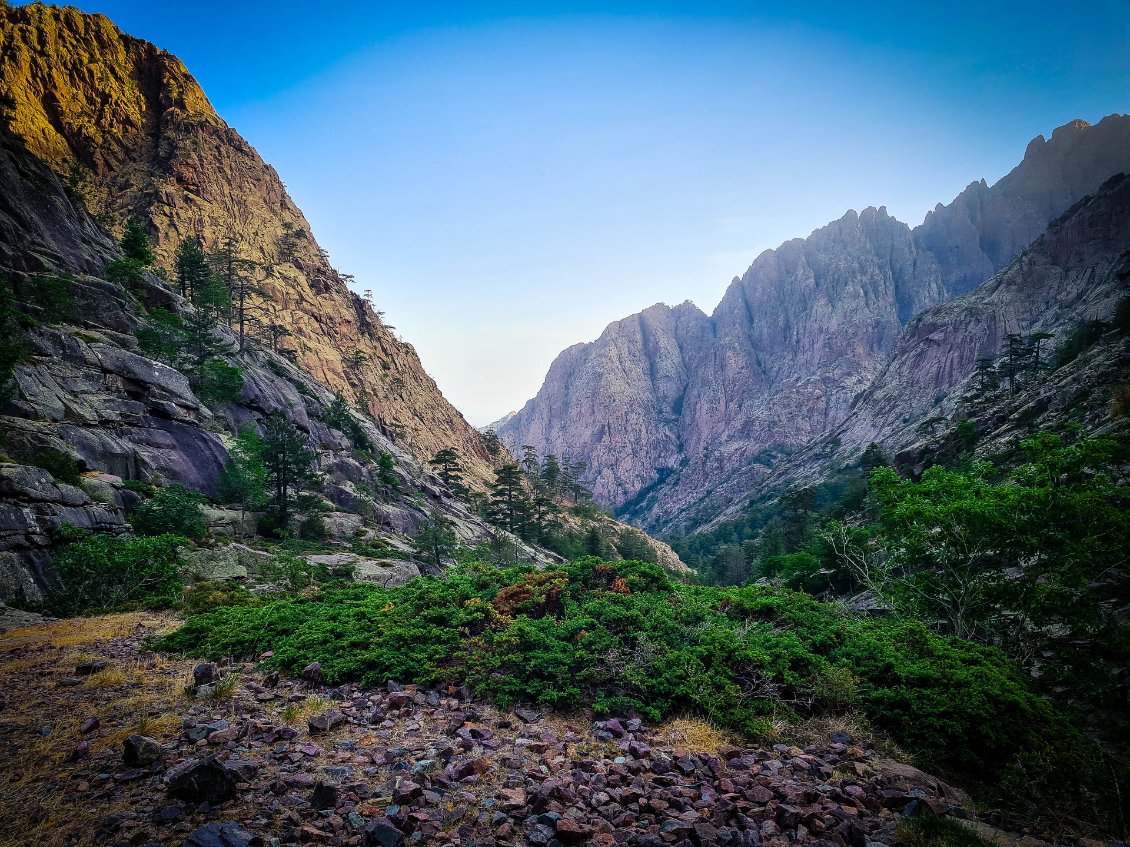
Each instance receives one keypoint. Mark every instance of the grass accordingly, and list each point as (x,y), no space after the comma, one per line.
(696,735)
(937,831)
(40,782)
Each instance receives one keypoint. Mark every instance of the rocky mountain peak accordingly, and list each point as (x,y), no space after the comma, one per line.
(794,341)
(132,133)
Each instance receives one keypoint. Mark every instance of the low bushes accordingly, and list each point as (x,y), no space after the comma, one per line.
(624,637)
(104,573)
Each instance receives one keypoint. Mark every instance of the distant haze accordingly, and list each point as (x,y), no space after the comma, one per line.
(506,183)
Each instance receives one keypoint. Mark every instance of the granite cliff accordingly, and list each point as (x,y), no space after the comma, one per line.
(130,132)
(95,127)
(1077,271)
(679,415)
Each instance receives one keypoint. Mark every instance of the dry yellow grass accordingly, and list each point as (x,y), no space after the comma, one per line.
(819,730)
(695,735)
(137,696)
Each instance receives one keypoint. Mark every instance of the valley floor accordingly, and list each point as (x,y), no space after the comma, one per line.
(254,760)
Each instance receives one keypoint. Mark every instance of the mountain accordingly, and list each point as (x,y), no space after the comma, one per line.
(1076,273)
(95,127)
(679,415)
(131,133)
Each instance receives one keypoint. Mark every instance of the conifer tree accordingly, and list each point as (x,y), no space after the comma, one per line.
(190,267)
(135,243)
(436,539)
(288,465)
(446,463)
(509,507)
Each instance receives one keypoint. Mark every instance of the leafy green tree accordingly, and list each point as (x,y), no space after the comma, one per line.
(106,573)
(171,511)
(289,467)
(220,382)
(448,468)
(136,244)
(1032,563)
(436,539)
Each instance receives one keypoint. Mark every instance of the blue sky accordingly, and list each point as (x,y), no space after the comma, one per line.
(509,178)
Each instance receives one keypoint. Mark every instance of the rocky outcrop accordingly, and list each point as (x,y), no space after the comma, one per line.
(679,416)
(33,508)
(132,133)
(985,227)
(1076,271)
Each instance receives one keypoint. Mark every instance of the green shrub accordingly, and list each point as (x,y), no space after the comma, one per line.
(128,273)
(337,416)
(173,510)
(312,528)
(52,294)
(625,638)
(220,382)
(106,573)
(936,831)
(60,465)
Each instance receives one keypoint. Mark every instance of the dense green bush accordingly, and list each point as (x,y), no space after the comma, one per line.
(625,637)
(173,510)
(105,573)
(220,382)
(337,416)
(61,466)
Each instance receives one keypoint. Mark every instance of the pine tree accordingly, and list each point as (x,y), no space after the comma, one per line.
(436,540)
(190,267)
(986,377)
(551,473)
(509,507)
(386,474)
(244,478)
(530,463)
(288,465)
(446,462)
(135,243)
(492,443)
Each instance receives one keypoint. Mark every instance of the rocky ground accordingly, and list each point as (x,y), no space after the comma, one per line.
(105,742)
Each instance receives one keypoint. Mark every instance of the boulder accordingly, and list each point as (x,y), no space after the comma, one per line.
(202,781)
(140,750)
(222,835)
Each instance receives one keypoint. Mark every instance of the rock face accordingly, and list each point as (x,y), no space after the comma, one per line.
(1076,271)
(133,134)
(679,415)
(89,111)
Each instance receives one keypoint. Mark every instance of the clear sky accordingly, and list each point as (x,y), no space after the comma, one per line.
(509,178)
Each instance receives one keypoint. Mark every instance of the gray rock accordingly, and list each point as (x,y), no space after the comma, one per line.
(383,833)
(221,835)
(202,781)
(140,750)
